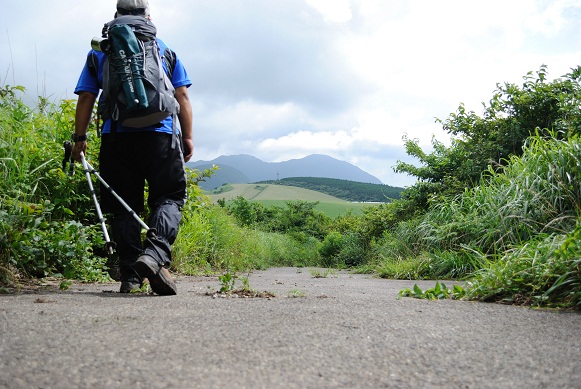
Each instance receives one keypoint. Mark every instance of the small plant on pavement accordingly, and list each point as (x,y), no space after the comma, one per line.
(145,289)
(296,293)
(227,281)
(319,273)
(65,285)
(228,288)
(440,291)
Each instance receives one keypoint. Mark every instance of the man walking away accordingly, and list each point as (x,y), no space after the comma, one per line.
(131,156)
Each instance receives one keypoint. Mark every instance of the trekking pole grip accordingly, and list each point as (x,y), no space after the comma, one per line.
(68,158)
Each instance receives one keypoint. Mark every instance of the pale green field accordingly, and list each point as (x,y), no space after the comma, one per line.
(278,195)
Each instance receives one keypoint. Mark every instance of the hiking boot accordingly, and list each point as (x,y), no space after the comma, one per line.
(130,285)
(159,278)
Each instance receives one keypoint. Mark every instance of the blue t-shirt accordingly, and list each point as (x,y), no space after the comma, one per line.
(89,83)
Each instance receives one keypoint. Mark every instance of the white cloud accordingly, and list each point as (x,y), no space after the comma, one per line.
(284,79)
(250,118)
(336,11)
(306,141)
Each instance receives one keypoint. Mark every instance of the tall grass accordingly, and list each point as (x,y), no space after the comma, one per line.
(537,193)
(210,241)
(524,274)
(46,223)
(545,271)
(507,229)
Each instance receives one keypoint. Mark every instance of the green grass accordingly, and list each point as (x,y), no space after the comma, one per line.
(210,241)
(47,221)
(277,195)
(513,237)
(272,192)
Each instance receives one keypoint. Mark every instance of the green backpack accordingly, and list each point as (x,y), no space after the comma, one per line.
(137,92)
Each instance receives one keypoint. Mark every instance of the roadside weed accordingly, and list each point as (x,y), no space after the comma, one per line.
(440,291)
(145,289)
(323,273)
(296,293)
(227,281)
(65,285)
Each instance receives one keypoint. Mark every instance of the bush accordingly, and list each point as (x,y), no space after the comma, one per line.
(330,248)
(211,241)
(47,220)
(537,193)
(545,271)
(523,275)
(353,250)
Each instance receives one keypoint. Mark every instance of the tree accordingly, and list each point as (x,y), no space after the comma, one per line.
(514,113)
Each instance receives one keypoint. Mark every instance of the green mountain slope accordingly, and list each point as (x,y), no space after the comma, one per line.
(278,195)
(261,192)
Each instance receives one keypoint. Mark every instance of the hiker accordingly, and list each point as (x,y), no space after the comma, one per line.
(131,156)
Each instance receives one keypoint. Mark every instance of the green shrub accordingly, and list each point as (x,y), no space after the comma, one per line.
(211,241)
(39,246)
(522,275)
(354,250)
(47,221)
(543,272)
(331,247)
(537,193)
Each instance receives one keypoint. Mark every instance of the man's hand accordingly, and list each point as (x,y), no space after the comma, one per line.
(186,121)
(188,149)
(78,147)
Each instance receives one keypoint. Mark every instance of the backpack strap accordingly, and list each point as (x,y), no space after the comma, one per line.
(169,58)
(93,66)
(174,137)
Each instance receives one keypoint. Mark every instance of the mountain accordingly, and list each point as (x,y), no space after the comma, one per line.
(244,169)
(226,175)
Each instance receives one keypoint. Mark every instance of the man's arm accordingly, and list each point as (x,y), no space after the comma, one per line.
(186,121)
(83,115)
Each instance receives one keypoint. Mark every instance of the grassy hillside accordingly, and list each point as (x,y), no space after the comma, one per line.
(278,195)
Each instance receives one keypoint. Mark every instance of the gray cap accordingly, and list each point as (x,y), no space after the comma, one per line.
(125,7)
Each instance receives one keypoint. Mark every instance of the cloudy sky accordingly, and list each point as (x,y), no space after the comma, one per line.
(282,79)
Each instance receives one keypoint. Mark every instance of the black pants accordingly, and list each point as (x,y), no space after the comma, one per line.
(127,161)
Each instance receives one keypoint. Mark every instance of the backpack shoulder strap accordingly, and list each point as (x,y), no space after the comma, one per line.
(93,64)
(169,57)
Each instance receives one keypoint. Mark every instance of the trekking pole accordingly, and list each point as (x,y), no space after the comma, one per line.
(90,170)
(109,245)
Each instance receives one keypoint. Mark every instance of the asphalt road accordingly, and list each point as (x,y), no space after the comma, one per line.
(343,331)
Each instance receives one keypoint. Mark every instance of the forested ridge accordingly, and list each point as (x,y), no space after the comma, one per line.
(343,189)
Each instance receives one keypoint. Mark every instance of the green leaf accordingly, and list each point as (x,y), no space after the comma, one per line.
(418,291)
(65,285)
